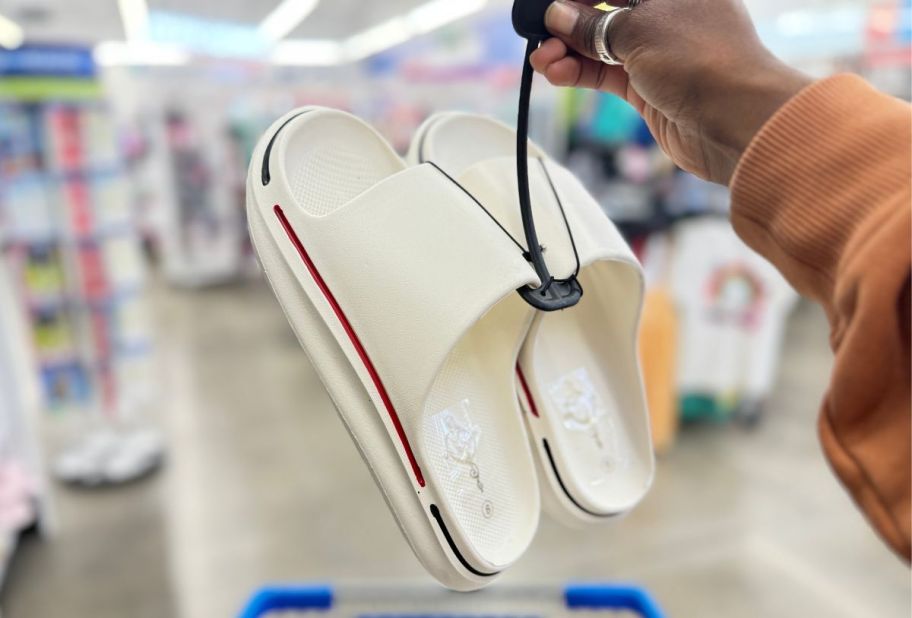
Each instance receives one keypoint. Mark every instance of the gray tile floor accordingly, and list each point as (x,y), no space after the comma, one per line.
(740,524)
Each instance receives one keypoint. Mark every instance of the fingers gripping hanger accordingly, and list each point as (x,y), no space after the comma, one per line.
(553,294)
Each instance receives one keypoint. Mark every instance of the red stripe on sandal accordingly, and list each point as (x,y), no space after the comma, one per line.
(522,382)
(353,337)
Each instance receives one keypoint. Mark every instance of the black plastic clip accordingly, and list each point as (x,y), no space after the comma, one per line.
(553,294)
(529,18)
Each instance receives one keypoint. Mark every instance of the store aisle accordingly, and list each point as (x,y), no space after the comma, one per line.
(107,560)
(252,494)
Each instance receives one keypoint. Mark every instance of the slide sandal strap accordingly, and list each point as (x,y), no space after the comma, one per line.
(413,263)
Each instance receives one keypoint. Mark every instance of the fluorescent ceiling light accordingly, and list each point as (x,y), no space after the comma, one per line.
(11,34)
(824,22)
(438,13)
(373,40)
(308,53)
(120,53)
(420,20)
(296,52)
(286,17)
(135,17)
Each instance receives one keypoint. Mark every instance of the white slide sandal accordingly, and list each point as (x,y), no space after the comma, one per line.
(401,290)
(578,376)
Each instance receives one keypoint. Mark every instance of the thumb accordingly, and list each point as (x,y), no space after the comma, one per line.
(575,24)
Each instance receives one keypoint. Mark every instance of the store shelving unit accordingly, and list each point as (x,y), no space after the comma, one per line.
(24,500)
(68,234)
(69,242)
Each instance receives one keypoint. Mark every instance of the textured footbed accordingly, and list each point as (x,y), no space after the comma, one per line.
(583,366)
(468,437)
(333,161)
(473,437)
(456,142)
(580,364)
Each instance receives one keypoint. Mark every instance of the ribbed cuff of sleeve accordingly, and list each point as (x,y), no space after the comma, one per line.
(815,172)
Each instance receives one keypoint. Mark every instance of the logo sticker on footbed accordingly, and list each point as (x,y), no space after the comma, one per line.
(461,436)
(582,410)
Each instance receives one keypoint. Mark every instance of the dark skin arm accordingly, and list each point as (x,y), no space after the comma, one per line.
(695,70)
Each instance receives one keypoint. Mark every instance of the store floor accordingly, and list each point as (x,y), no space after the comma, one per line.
(264,485)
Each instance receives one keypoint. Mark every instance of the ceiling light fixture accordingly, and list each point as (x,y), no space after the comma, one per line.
(311,52)
(378,38)
(135,17)
(420,20)
(120,53)
(300,52)
(285,18)
(439,13)
(11,33)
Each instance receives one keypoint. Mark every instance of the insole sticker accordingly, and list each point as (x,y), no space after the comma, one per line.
(583,411)
(460,436)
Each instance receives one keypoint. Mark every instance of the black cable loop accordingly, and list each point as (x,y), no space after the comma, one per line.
(563,214)
(553,294)
(480,205)
(522,164)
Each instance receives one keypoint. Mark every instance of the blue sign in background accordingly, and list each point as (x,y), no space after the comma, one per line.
(48,61)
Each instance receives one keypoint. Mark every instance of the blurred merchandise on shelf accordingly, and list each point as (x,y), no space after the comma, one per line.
(610,149)
(733,306)
(68,237)
(201,241)
(110,456)
(658,341)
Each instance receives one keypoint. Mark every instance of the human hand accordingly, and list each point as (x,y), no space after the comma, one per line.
(695,70)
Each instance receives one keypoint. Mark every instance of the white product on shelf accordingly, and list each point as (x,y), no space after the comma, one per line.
(733,306)
(201,229)
(99,137)
(123,263)
(111,198)
(111,456)
(27,214)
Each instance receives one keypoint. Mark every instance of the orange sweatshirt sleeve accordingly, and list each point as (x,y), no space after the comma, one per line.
(823,192)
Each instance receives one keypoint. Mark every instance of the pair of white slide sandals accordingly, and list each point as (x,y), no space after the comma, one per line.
(471,407)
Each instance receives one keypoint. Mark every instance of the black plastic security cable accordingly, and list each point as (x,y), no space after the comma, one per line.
(522,166)
(480,205)
(570,286)
(528,18)
(560,205)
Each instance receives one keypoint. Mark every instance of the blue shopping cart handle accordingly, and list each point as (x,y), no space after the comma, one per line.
(285,598)
(601,596)
(576,597)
